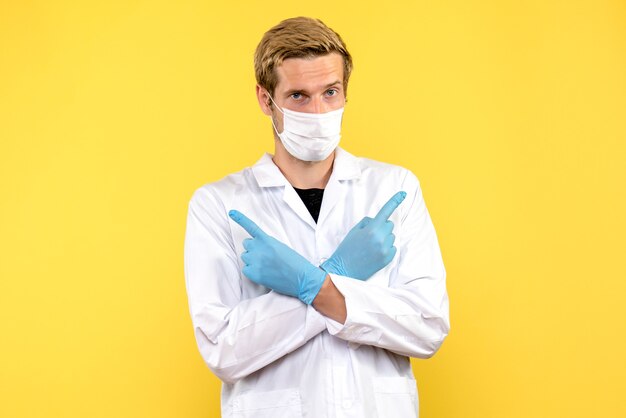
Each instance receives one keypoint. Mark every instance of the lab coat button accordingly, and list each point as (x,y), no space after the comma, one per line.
(346,404)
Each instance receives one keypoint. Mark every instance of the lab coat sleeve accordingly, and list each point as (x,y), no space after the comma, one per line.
(235,336)
(410,316)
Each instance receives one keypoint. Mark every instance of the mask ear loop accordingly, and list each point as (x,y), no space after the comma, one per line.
(277,107)
(271,117)
(275,129)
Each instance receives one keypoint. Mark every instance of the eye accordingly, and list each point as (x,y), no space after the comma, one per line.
(332,92)
(296,96)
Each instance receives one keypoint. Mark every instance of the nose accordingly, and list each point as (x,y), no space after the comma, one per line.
(318,105)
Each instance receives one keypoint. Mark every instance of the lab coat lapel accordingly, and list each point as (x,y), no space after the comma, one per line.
(267,174)
(333,192)
(291,197)
(345,167)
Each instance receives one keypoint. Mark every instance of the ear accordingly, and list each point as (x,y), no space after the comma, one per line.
(263,98)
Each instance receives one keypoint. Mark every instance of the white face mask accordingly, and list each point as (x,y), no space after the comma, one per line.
(310,136)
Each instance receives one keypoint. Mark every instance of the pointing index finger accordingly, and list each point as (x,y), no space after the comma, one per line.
(247,224)
(390,207)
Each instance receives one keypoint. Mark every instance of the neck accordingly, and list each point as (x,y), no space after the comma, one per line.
(303,174)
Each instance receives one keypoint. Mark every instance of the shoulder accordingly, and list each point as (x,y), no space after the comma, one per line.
(387,172)
(220,191)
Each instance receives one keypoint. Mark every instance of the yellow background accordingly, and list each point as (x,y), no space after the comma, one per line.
(512,114)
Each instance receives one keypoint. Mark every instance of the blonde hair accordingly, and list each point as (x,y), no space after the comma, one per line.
(298,37)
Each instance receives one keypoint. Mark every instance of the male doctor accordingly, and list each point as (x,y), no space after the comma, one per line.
(313,275)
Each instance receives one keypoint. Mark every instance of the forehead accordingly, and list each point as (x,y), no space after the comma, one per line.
(309,73)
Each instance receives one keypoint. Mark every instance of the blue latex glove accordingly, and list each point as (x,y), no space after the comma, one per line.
(272,264)
(368,247)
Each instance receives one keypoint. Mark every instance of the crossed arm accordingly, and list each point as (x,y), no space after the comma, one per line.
(239,336)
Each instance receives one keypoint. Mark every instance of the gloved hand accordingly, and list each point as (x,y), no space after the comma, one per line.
(368,247)
(273,264)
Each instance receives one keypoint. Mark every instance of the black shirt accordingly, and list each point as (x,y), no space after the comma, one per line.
(312,199)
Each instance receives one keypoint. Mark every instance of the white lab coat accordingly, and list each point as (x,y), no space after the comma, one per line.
(278,357)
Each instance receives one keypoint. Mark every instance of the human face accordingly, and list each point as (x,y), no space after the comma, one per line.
(308,85)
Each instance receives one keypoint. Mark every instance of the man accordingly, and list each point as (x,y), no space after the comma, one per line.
(314,275)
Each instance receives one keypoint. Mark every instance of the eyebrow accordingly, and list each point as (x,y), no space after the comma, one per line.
(334,83)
